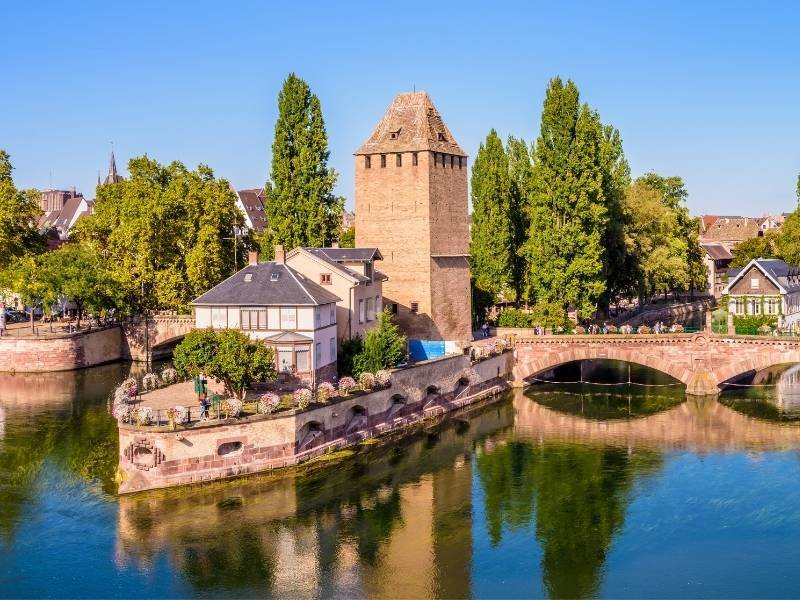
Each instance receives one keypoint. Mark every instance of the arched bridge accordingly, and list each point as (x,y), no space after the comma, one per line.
(701,361)
(155,340)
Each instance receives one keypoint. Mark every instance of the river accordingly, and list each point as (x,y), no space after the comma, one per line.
(564,490)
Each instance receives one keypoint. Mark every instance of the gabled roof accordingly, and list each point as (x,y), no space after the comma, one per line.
(735,229)
(411,123)
(716,251)
(785,277)
(267,284)
(350,254)
(253,203)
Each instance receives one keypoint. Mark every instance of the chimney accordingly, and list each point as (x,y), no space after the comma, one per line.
(280,255)
(252,258)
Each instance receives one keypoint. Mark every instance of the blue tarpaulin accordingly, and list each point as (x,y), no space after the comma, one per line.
(425,349)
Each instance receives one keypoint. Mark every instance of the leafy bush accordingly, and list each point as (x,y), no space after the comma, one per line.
(643,329)
(348,350)
(346,385)
(384,347)
(228,355)
(579,329)
(325,391)
(514,317)
(751,324)
(302,398)
(611,329)
(366,380)
(268,403)
(676,328)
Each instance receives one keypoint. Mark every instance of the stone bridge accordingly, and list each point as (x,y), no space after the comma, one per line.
(158,339)
(702,361)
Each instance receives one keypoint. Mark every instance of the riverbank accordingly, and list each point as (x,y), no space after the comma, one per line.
(159,457)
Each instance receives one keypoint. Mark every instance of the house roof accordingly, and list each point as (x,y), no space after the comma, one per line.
(287,337)
(717,251)
(350,254)
(411,123)
(735,229)
(785,277)
(253,203)
(267,284)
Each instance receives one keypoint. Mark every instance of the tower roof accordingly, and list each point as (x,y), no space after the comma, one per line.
(112,176)
(411,123)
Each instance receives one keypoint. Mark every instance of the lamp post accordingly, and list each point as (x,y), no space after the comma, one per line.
(235,239)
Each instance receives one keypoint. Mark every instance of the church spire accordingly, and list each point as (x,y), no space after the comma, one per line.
(113,176)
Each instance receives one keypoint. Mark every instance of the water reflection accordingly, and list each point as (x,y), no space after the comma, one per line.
(774,395)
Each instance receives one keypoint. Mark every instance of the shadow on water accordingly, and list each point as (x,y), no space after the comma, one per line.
(774,395)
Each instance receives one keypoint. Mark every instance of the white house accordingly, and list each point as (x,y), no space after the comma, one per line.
(277,304)
(765,287)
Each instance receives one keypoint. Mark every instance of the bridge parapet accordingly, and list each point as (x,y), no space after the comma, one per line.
(701,361)
(155,340)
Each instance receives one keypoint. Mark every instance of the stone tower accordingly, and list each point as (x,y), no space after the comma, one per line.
(411,203)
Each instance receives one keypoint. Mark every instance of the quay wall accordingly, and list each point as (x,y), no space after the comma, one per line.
(157,457)
(60,352)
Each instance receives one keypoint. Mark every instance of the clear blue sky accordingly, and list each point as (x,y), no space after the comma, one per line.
(709,91)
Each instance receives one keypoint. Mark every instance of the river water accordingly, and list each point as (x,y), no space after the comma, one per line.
(562,491)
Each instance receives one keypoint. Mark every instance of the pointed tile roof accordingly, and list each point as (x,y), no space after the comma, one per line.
(112,176)
(410,124)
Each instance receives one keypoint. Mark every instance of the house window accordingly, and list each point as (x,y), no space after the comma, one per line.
(444,161)
(301,359)
(367,162)
(383,160)
(333,348)
(415,159)
(415,307)
(738,306)
(368,271)
(360,311)
(394,308)
(771,306)
(286,359)
(754,283)
(317,355)
(393,135)
(399,160)
(754,306)
(219,317)
(317,318)
(288,317)
(325,278)
(253,318)
(370,309)
(333,314)
(377,304)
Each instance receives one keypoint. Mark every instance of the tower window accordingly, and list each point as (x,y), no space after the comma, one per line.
(367,162)
(459,162)
(452,161)
(415,307)
(399,160)
(442,137)
(383,160)
(444,161)
(414,159)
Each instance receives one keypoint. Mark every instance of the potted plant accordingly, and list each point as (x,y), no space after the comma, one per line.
(268,403)
(325,391)
(346,385)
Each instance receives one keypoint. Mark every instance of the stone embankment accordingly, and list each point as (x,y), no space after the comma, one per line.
(668,312)
(60,352)
(158,457)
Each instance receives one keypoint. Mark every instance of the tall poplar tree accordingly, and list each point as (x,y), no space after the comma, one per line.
(491,243)
(299,203)
(19,215)
(520,171)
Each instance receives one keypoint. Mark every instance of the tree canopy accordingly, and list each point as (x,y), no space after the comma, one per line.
(228,355)
(166,233)
(384,347)
(19,215)
(300,206)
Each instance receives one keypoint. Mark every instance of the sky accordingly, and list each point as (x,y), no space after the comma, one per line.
(709,91)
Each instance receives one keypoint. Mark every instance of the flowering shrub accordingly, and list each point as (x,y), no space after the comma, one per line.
(302,398)
(150,382)
(268,403)
(346,385)
(499,346)
(121,412)
(579,329)
(325,391)
(383,378)
(230,407)
(142,415)
(611,328)
(130,387)
(366,380)
(643,329)
(676,328)
(181,414)
(169,375)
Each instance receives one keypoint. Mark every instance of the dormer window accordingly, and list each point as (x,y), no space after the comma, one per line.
(442,137)
(393,135)
(248,277)
(274,276)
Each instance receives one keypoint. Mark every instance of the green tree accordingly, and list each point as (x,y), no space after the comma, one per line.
(299,203)
(26,277)
(19,216)
(167,233)
(789,239)
(228,355)
(765,246)
(492,234)
(347,239)
(520,172)
(384,347)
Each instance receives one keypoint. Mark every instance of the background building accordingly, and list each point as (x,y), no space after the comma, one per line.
(411,203)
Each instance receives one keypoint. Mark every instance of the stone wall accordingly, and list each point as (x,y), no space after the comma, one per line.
(60,352)
(153,457)
(668,312)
